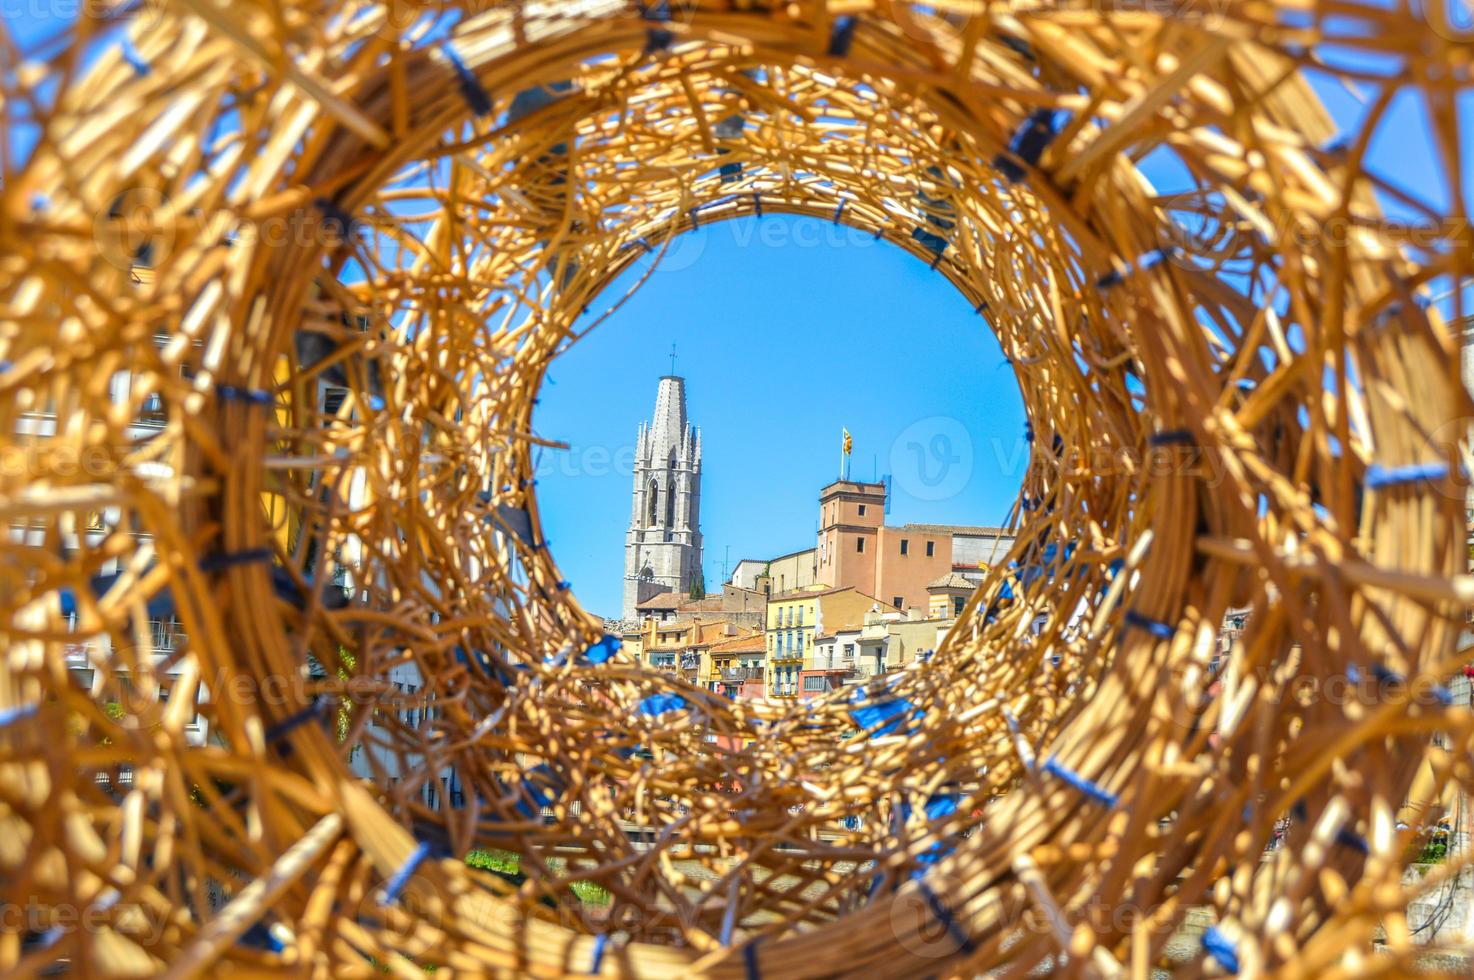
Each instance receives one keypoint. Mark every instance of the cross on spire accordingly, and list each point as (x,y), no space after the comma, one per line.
(672,359)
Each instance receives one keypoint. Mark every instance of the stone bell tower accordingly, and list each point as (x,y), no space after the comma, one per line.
(662,550)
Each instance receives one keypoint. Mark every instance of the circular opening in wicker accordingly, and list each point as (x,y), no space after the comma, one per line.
(282,282)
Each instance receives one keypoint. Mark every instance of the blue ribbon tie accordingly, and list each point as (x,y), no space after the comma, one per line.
(401,877)
(1379,477)
(1155,627)
(842,35)
(470,86)
(1221,948)
(1097,793)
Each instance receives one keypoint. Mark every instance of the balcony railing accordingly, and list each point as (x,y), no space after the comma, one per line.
(164,636)
(838,667)
(736,675)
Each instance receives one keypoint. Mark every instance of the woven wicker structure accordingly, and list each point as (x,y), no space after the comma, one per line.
(1240,397)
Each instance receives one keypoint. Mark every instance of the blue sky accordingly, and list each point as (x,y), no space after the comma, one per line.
(787,329)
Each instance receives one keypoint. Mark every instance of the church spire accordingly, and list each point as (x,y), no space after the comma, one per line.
(663,545)
(668,427)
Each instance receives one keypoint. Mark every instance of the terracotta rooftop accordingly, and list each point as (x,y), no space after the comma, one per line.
(952,580)
(809,593)
(832,637)
(741,644)
(861,484)
(663,600)
(815,593)
(963,529)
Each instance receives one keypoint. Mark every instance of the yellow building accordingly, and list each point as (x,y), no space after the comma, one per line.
(791,573)
(661,642)
(795,619)
(890,640)
(947,596)
(632,642)
(737,666)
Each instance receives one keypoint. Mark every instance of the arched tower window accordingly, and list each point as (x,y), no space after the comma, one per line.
(654,497)
(670,504)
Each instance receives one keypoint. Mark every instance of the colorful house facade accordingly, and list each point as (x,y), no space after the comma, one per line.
(796,620)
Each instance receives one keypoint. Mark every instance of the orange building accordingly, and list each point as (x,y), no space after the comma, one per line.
(857,550)
(737,666)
